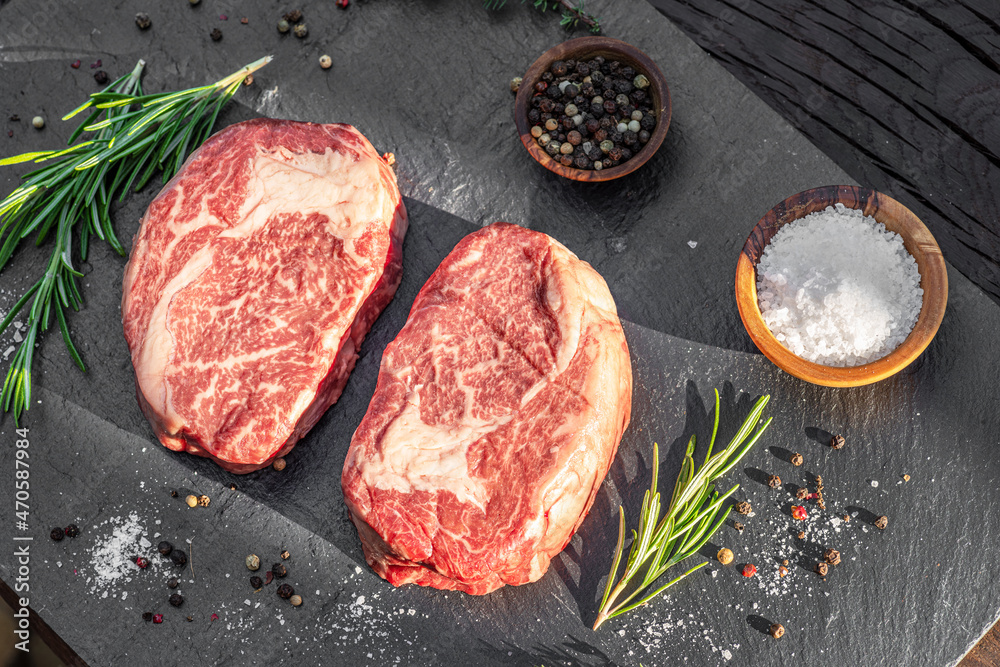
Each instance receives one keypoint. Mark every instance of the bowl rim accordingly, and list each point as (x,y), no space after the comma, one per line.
(595,45)
(919,243)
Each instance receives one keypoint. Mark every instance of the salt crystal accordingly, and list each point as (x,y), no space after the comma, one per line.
(874,484)
(837,288)
(693,244)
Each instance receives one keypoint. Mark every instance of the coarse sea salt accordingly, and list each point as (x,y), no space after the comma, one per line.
(837,288)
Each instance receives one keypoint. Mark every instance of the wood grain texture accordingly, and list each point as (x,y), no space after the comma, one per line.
(900,93)
(586,48)
(897,218)
(987,651)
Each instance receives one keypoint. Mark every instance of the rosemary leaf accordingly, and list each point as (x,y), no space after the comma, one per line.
(134,136)
(695,512)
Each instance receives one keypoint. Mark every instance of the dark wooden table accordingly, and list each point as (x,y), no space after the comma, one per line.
(903,94)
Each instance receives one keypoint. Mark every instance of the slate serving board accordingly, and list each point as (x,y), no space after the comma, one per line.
(919,592)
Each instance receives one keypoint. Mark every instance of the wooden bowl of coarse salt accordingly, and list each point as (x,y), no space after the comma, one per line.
(837,289)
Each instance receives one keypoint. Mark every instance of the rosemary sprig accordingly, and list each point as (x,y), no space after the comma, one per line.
(134,135)
(694,514)
(572,14)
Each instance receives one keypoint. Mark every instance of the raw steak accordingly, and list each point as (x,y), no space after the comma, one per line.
(253,279)
(498,411)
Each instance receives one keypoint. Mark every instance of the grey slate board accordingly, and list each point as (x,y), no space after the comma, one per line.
(727,159)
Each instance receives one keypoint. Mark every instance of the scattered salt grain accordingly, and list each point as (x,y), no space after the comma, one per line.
(837,288)
(874,483)
(693,244)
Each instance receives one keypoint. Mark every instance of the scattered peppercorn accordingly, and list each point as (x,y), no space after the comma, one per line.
(744,508)
(279,464)
(279,570)
(216,34)
(296,600)
(882,522)
(164,548)
(749,570)
(774,481)
(801,493)
(847,517)
(300,30)
(285,555)
(515,84)
(192,501)
(71,530)
(38,122)
(777,630)
(256,582)
(342,4)
(96,64)
(176,600)
(725,556)
(799,512)
(797,459)
(268,578)
(157,618)
(253,562)
(244,20)
(248,80)
(10,133)
(837,442)
(204,500)
(832,556)
(75,64)
(172,583)
(190,619)
(785,562)
(285,591)
(738,526)
(906,478)
(57,534)
(142,562)
(293,16)
(143,21)
(215,617)
(782,571)
(802,534)
(147,616)
(179,558)
(284,26)
(822,569)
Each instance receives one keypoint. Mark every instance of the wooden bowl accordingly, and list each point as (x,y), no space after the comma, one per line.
(588,47)
(897,218)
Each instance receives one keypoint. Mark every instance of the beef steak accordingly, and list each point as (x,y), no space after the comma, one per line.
(253,279)
(498,411)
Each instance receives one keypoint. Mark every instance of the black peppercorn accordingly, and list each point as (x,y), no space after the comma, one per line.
(837,442)
(628,73)
(546,77)
(607,123)
(643,136)
(71,530)
(558,109)
(568,124)
(558,68)
(597,110)
(582,162)
(547,105)
(626,154)
(142,20)
(580,101)
(743,508)
(583,69)
(165,548)
(57,534)
(293,16)
(216,34)
(553,92)
(256,582)
(566,161)
(593,125)
(285,591)
(173,582)
(534,115)
(179,558)
(629,138)
(101,77)
(616,137)
(638,96)
(279,570)
(594,154)
(615,154)
(832,556)
(597,77)
(560,137)
(176,600)
(572,90)
(614,66)
(610,107)
(147,616)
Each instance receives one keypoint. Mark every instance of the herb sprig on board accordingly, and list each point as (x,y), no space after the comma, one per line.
(572,14)
(694,514)
(134,136)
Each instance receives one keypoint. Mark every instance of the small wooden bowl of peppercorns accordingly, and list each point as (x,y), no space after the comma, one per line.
(592,109)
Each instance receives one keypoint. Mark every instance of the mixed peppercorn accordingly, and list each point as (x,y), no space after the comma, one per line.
(591,114)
